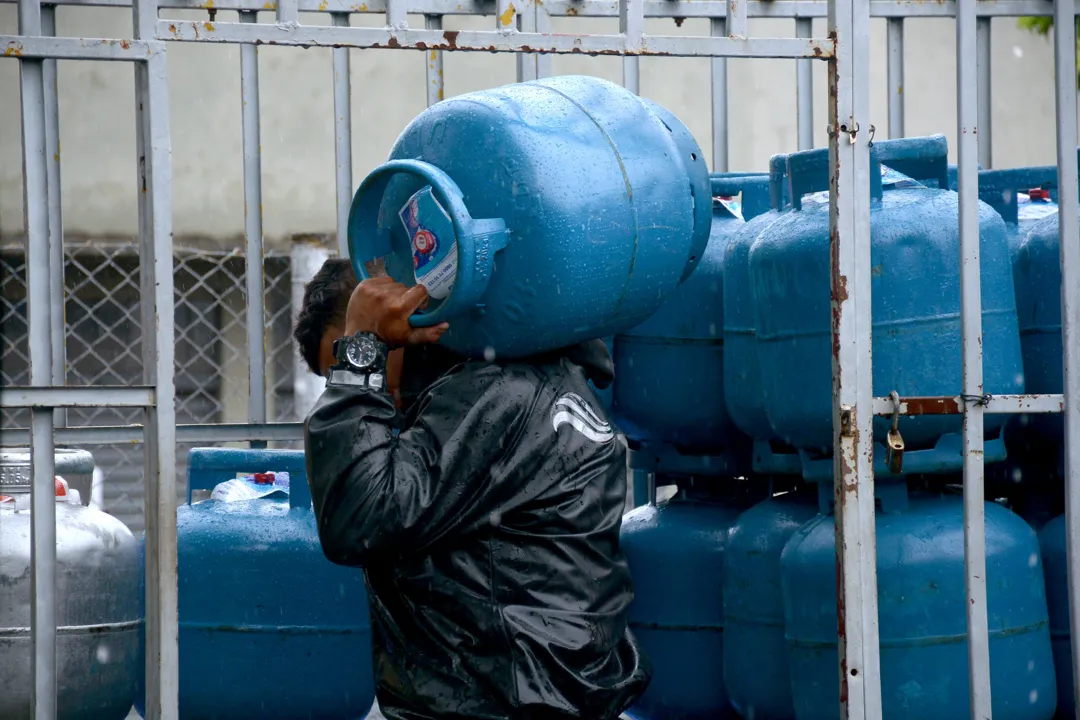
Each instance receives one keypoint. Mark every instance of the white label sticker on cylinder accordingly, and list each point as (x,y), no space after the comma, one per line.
(733,206)
(434,243)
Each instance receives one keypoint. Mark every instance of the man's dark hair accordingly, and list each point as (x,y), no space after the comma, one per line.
(326,298)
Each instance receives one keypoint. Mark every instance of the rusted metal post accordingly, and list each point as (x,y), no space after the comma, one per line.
(849,220)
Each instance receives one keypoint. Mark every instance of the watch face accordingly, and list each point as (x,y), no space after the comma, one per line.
(361,353)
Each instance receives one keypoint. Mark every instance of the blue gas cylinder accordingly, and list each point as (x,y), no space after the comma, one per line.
(742,373)
(676,556)
(755,648)
(921,612)
(954,178)
(538,214)
(268,626)
(669,369)
(1022,196)
(914,248)
(1052,540)
(1037,271)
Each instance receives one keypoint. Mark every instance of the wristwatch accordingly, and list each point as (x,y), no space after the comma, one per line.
(361,361)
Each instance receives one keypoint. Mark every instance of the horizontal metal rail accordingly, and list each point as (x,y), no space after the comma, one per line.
(954,405)
(63,48)
(194,433)
(492,40)
(46,396)
(605,8)
(130,396)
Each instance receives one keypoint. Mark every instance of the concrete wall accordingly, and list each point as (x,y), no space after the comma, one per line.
(97,125)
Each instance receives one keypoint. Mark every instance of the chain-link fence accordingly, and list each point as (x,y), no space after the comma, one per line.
(104,346)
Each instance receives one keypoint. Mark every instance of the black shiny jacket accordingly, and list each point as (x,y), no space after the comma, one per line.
(488,530)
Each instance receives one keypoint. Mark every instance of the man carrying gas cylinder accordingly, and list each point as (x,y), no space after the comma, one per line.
(485,512)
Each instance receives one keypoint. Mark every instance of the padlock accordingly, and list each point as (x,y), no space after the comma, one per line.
(894,445)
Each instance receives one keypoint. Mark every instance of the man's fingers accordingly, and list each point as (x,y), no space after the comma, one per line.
(412,299)
(427,335)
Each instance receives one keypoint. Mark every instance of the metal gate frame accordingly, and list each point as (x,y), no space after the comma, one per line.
(524,29)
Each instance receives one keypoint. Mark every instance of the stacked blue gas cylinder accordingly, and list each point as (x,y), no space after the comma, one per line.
(668,400)
(268,627)
(745,592)
(916,350)
(1033,477)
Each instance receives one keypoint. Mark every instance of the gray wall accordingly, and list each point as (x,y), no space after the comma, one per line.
(97,126)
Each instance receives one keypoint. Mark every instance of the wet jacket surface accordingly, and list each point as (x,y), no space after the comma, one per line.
(488,532)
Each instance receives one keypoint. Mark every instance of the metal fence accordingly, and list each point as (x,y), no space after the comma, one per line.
(103,347)
(522,28)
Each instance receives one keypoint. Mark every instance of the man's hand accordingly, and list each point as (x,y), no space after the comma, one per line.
(383,306)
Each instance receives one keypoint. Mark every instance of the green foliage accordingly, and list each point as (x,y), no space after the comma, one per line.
(1040,25)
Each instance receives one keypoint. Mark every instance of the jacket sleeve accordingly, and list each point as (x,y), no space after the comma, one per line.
(377,495)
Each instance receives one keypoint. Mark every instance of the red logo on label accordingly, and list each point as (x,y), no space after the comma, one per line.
(423,242)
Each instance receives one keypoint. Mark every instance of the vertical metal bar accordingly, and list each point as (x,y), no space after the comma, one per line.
(396,16)
(43,561)
(288,12)
(56,217)
(983,46)
(307,255)
(1068,231)
(967,133)
(343,136)
(895,53)
(720,130)
(631,73)
(505,14)
(804,88)
(533,17)
(158,337)
(736,18)
(42,495)
(435,92)
(631,25)
(849,219)
(526,62)
(543,25)
(253,225)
